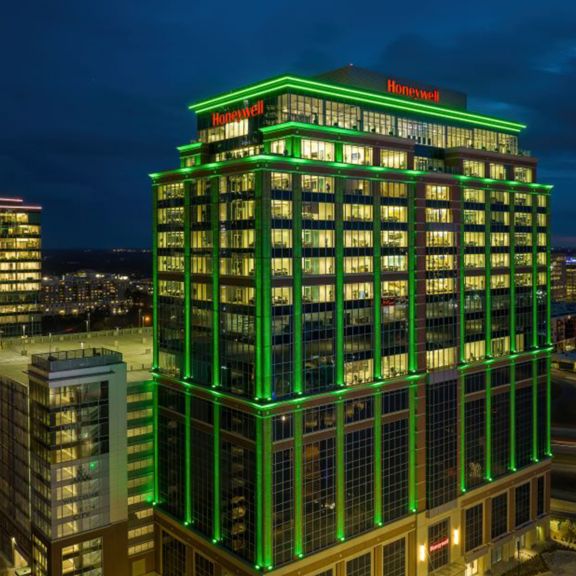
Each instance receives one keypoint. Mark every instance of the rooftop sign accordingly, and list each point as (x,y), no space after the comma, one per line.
(411,92)
(220,119)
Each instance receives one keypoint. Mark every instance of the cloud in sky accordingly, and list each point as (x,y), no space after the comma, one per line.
(93,96)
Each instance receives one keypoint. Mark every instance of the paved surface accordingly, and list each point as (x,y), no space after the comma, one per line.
(135,346)
(561,563)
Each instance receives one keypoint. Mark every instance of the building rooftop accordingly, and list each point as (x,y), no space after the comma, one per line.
(135,345)
(75,359)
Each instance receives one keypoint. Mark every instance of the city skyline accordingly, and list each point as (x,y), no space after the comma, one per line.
(86,125)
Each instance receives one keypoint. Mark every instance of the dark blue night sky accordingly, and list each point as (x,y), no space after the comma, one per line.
(93,95)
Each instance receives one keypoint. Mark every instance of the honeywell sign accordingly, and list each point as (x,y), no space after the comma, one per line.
(219,119)
(417,93)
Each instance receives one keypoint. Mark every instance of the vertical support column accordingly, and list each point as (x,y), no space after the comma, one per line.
(187,459)
(264,554)
(488,455)
(513,417)
(548,275)
(377,275)
(412,408)
(462,283)
(340,473)
(378,459)
(156,495)
(548,403)
(534,274)
(462,409)
(339,265)
(187,281)
(412,348)
(488,263)
(216,536)
(263,270)
(155,276)
(512,237)
(297,281)
(215,230)
(535,409)
(298,485)
(263,182)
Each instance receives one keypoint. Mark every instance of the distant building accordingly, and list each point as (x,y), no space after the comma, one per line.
(84,291)
(87,447)
(558,277)
(571,279)
(20,268)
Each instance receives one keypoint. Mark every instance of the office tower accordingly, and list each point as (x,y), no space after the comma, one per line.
(558,277)
(20,268)
(352,350)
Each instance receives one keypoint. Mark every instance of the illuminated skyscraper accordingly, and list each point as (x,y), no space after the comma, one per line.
(20,268)
(352,349)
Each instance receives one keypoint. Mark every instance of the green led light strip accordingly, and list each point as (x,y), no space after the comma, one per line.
(462,407)
(155,364)
(156,454)
(412,348)
(340,475)
(549,405)
(260,512)
(377,267)
(378,459)
(353,95)
(298,480)
(188,147)
(548,276)
(412,405)
(488,410)
(188,460)
(339,266)
(534,275)
(216,464)
(462,282)
(535,410)
(297,281)
(266,487)
(215,232)
(513,417)
(265,236)
(488,265)
(187,283)
(512,237)
(338,166)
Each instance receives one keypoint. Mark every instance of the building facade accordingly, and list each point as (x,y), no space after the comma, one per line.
(558,277)
(20,268)
(351,341)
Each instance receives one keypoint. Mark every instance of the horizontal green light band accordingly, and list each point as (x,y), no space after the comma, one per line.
(291,401)
(357,167)
(187,147)
(355,95)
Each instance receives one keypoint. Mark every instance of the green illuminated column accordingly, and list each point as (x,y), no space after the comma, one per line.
(512,236)
(155,418)
(263,270)
(534,274)
(297,280)
(548,404)
(513,417)
(462,407)
(339,264)
(216,488)
(534,409)
(488,263)
(298,481)
(187,448)
(340,473)
(488,464)
(378,459)
(187,281)
(215,228)
(548,276)
(338,152)
(412,348)
(155,276)
(462,279)
(412,401)
(260,561)
(377,324)
(266,486)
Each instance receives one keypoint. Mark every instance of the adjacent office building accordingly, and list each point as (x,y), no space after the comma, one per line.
(76,463)
(352,351)
(20,268)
